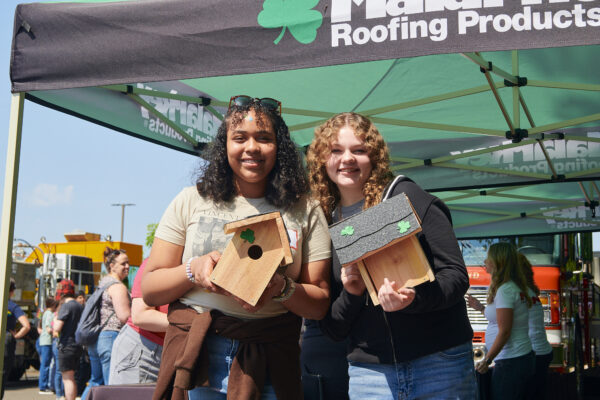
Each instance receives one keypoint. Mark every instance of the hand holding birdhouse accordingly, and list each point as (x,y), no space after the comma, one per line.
(352,280)
(393,299)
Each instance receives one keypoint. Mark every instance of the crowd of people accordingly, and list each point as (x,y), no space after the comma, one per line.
(415,344)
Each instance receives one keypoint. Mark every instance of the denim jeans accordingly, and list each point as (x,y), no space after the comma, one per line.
(324,365)
(104,346)
(448,374)
(96,378)
(59,389)
(45,353)
(511,375)
(221,354)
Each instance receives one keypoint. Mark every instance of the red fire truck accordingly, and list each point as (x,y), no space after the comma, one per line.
(562,266)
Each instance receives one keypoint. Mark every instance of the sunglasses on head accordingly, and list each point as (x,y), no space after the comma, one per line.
(267,102)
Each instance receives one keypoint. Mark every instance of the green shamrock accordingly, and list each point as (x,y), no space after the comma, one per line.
(295,15)
(403,226)
(347,231)
(248,235)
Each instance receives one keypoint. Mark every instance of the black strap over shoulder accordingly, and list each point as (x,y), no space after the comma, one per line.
(389,189)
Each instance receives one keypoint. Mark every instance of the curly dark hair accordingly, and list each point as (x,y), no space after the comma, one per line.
(287,181)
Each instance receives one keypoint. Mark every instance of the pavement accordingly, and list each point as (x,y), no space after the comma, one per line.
(26,388)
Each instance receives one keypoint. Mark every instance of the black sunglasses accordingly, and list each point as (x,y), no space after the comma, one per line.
(267,102)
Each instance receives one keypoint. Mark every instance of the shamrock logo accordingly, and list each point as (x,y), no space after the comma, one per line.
(403,226)
(347,231)
(295,15)
(248,235)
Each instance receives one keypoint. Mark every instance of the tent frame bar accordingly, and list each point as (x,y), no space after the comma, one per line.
(9,205)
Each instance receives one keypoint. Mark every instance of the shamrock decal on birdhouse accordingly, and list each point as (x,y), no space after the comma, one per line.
(248,235)
(296,15)
(347,231)
(403,226)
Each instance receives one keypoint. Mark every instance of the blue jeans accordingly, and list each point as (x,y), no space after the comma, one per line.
(45,353)
(104,346)
(221,354)
(59,389)
(96,378)
(448,374)
(511,375)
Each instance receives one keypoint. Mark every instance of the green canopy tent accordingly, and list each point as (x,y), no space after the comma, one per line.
(492,106)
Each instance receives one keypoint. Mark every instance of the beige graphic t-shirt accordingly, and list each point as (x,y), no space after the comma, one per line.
(197,224)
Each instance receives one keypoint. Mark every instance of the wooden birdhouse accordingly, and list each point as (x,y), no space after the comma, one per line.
(259,245)
(382,241)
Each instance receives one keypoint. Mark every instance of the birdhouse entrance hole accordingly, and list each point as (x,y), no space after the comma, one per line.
(255,252)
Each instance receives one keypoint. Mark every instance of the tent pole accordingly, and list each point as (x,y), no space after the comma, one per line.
(564,85)
(515,91)
(9,205)
(565,124)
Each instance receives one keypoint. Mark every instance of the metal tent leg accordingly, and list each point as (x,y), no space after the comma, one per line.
(9,205)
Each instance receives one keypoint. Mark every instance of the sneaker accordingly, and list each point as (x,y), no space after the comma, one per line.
(46,391)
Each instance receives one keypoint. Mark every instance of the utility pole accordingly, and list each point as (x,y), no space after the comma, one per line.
(122,205)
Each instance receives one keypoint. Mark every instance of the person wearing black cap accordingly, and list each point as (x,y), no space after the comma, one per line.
(14,314)
(65,325)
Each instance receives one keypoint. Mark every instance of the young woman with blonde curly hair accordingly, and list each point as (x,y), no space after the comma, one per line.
(507,335)
(417,344)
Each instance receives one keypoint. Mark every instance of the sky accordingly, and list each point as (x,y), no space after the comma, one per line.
(71,171)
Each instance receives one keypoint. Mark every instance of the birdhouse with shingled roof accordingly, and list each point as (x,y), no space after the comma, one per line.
(260,244)
(382,241)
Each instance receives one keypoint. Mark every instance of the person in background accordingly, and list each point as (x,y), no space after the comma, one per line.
(14,314)
(45,348)
(80,298)
(417,344)
(536,388)
(137,350)
(65,325)
(55,374)
(115,310)
(507,333)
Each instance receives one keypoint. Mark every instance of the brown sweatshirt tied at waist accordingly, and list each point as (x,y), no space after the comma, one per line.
(268,345)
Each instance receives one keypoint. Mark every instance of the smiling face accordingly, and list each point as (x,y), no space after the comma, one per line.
(251,153)
(349,165)
(120,266)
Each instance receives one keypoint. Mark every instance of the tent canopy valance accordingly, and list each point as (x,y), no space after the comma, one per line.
(493,105)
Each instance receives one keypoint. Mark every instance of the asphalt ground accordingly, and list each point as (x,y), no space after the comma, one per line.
(26,388)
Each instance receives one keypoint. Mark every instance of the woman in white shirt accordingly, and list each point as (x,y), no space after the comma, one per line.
(536,388)
(507,334)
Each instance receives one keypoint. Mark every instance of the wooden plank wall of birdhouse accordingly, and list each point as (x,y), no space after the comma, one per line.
(243,276)
(404,262)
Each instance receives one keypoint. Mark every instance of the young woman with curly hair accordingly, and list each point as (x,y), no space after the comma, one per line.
(417,344)
(234,349)
(507,339)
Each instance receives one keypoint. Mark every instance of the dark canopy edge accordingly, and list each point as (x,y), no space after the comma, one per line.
(511,184)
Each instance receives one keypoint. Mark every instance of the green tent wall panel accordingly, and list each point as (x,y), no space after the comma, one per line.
(437,81)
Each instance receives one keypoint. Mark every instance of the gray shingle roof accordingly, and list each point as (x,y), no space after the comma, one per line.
(374,228)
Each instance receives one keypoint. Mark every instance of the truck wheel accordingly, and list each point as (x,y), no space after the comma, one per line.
(17,370)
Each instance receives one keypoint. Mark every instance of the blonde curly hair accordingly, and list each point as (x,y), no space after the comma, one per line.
(322,187)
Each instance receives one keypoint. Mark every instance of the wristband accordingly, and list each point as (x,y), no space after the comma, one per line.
(287,292)
(188,270)
(488,361)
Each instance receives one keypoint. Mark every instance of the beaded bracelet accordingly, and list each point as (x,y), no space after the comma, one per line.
(188,270)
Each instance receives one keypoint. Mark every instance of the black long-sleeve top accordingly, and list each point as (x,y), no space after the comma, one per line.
(437,317)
